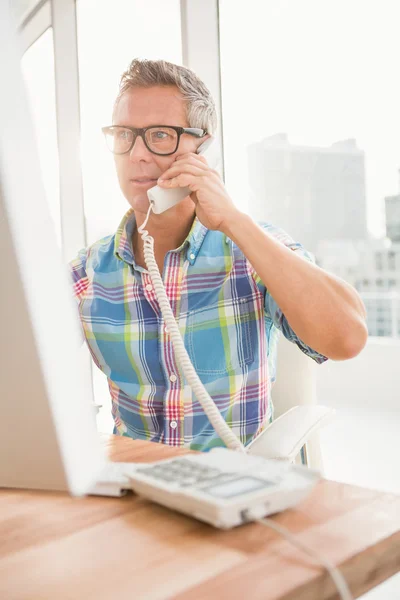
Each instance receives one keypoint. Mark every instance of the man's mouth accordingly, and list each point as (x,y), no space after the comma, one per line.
(143,181)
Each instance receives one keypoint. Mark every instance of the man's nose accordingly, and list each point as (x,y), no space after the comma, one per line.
(139,151)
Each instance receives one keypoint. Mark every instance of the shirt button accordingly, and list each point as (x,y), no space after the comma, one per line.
(192,256)
(149,287)
(166,329)
(173,424)
(173,377)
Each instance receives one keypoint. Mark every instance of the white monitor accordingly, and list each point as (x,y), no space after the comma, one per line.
(48,437)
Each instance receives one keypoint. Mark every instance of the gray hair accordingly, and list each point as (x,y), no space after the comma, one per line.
(200,107)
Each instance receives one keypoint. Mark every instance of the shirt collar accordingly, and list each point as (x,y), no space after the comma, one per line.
(123,239)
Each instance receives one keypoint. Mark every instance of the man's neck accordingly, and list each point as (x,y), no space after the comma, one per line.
(169,230)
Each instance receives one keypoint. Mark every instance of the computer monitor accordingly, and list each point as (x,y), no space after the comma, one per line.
(48,437)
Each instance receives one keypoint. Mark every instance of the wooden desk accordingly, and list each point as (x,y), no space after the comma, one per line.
(56,547)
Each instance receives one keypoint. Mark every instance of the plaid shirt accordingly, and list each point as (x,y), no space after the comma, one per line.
(229,322)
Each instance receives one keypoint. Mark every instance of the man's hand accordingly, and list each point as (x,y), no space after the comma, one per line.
(214,207)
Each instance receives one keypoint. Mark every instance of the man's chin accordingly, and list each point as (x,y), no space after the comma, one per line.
(140,203)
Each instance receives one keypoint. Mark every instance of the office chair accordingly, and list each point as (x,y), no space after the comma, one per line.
(293,433)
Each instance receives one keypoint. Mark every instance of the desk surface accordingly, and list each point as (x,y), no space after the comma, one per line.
(55,546)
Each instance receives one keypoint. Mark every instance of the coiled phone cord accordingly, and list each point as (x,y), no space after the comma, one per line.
(212,412)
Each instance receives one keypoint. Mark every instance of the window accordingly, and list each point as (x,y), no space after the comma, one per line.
(38,72)
(289,86)
(119,32)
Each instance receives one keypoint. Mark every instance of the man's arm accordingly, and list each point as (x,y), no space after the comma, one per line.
(325,312)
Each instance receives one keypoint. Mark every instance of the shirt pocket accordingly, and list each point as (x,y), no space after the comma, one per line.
(219,337)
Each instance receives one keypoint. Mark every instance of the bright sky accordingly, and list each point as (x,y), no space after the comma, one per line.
(319,70)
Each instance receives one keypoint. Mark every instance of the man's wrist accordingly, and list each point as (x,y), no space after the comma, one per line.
(233,226)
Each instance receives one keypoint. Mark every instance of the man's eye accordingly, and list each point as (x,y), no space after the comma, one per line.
(160,135)
(123,135)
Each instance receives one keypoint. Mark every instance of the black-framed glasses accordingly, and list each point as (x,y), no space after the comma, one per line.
(158,139)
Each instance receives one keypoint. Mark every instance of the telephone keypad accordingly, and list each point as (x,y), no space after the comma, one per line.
(184,472)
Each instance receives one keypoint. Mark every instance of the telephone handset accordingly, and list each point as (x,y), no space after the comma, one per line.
(162,199)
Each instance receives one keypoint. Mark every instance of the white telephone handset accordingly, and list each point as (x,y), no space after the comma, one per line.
(162,199)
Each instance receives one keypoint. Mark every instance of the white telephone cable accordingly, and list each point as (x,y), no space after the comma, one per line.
(337,577)
(209,407)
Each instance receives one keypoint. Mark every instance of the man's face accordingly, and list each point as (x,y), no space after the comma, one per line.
(139,169)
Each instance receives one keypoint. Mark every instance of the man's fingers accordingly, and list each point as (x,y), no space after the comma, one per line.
(177,169)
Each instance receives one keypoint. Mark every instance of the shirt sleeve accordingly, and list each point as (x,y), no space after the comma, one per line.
(79,276)
(272,310)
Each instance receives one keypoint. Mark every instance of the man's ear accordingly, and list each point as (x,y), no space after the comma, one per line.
(206,141)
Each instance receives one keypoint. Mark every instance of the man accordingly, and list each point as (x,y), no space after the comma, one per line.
(232,284)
